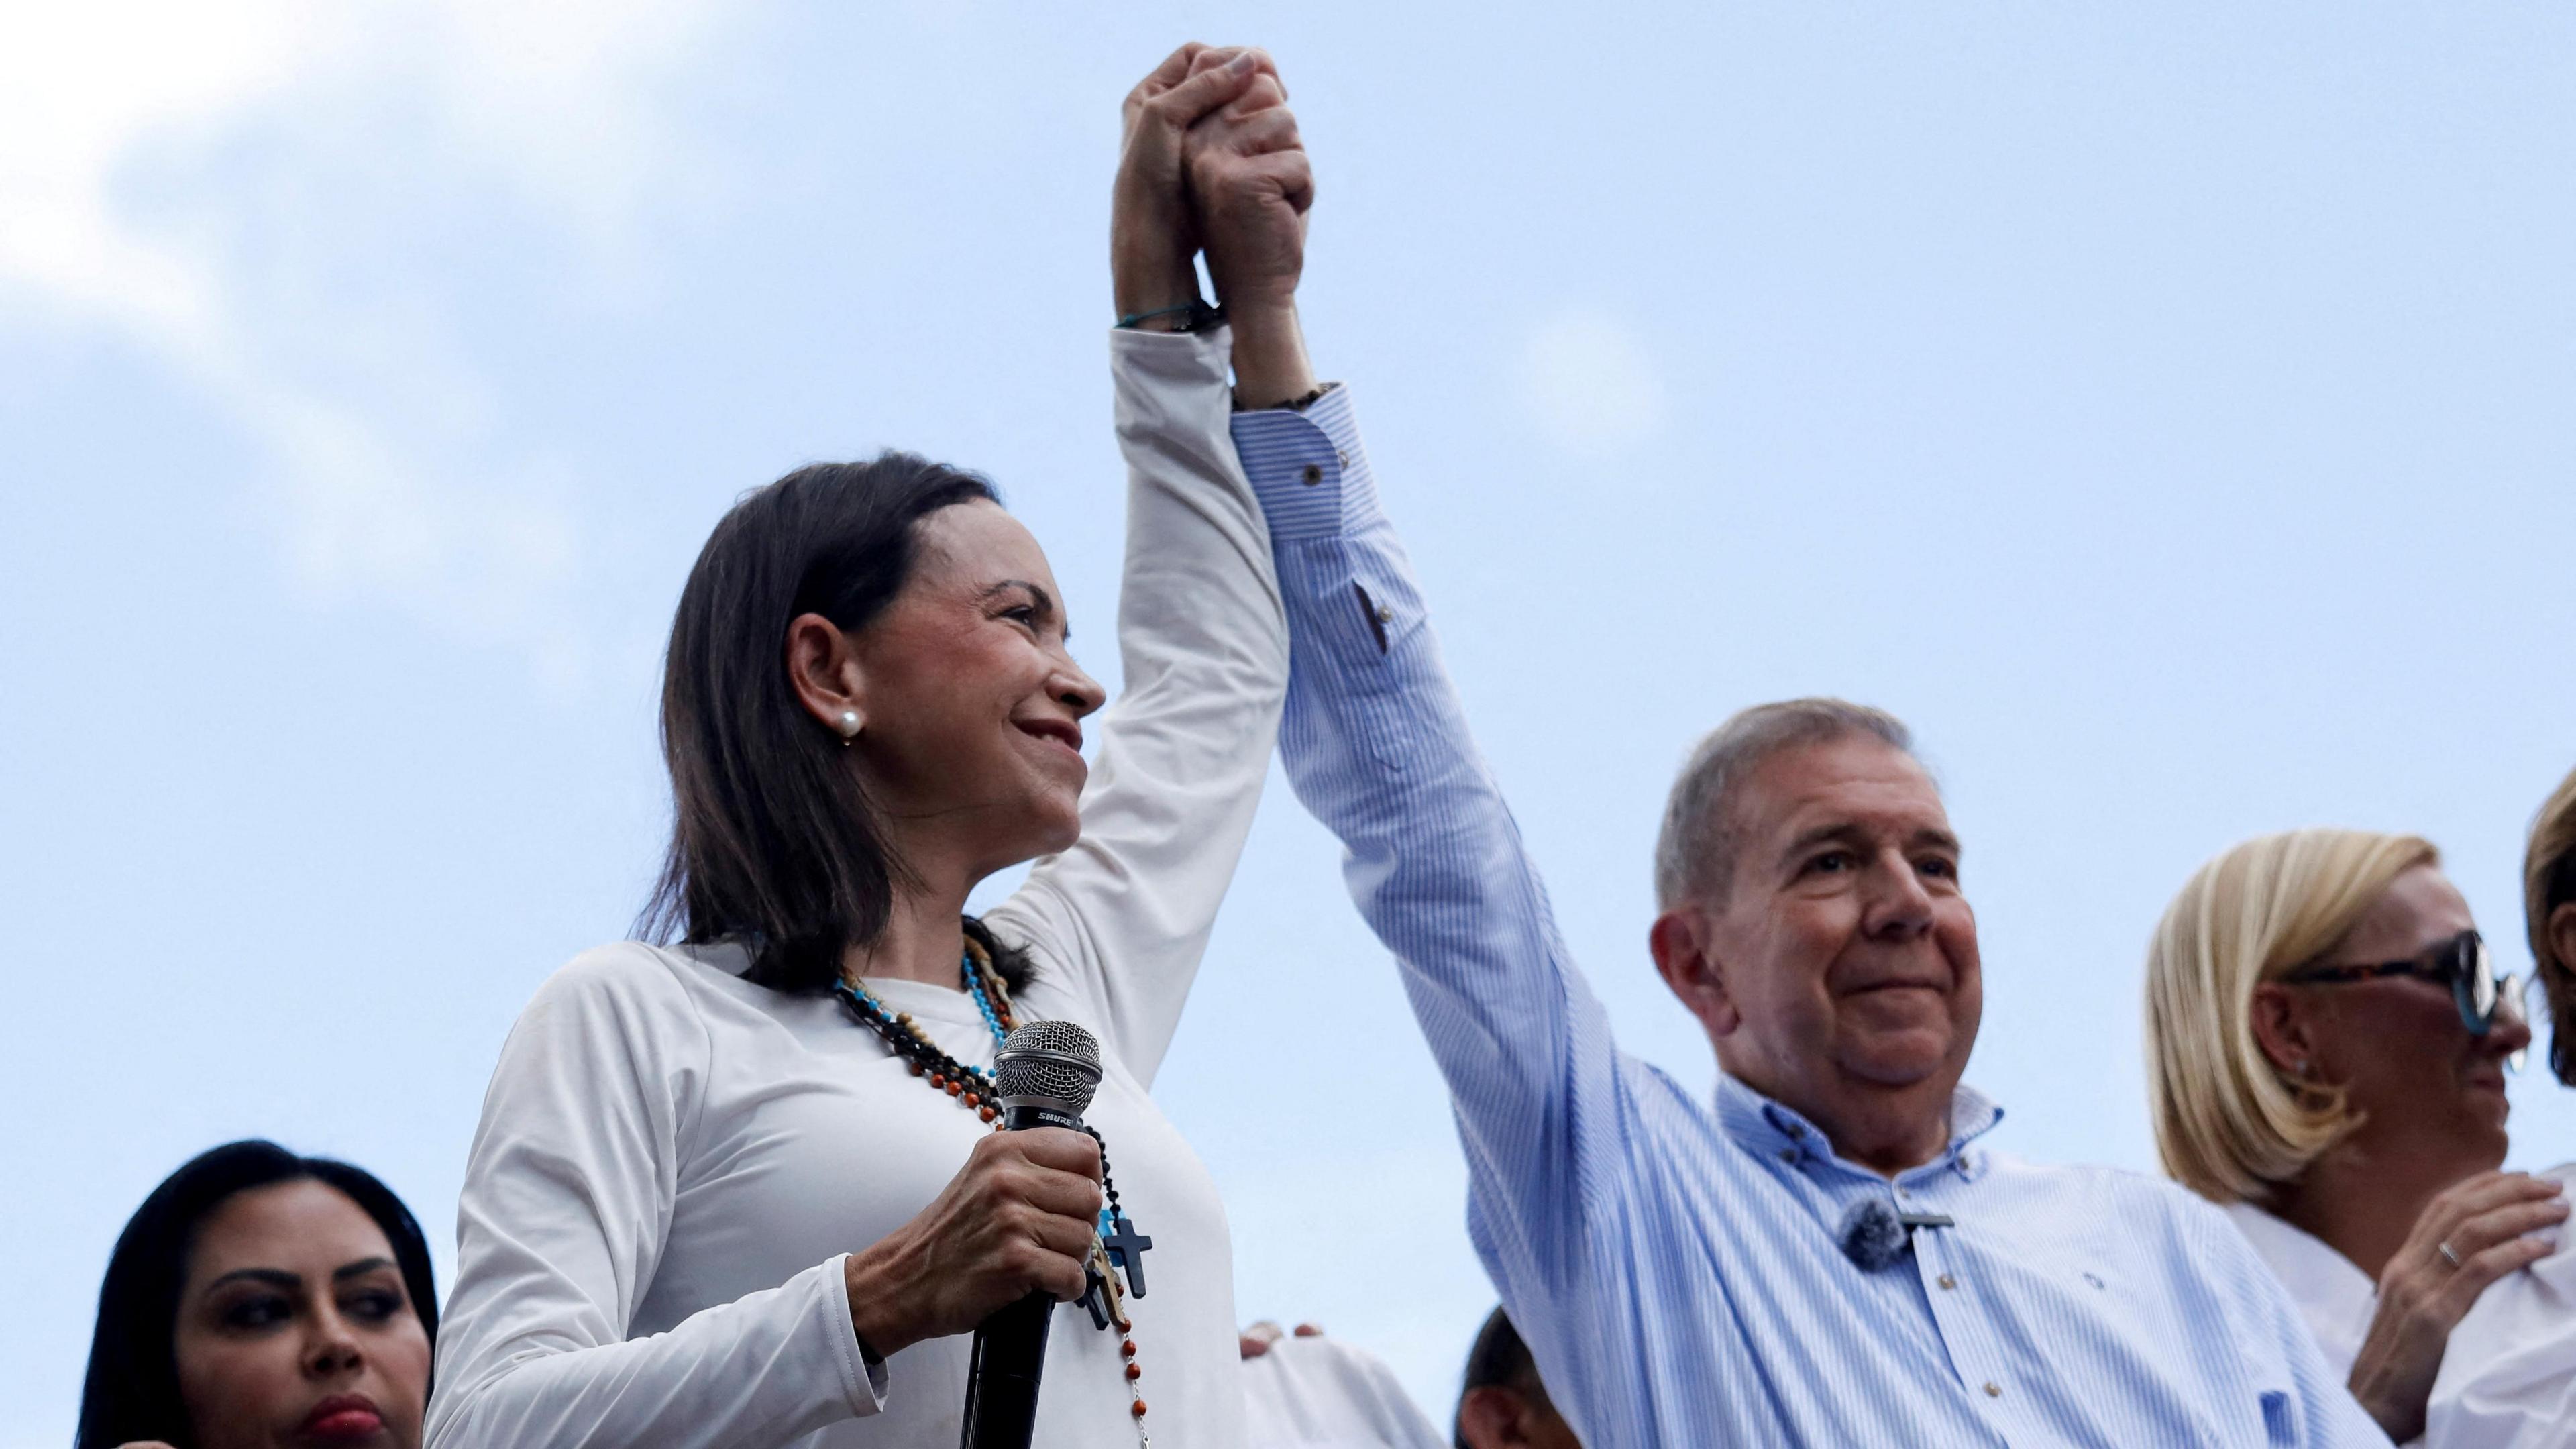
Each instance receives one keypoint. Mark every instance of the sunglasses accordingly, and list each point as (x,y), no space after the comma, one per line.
(2460,964)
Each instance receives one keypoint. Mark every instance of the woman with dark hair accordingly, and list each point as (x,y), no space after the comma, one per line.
(261,1298)
(738,1185)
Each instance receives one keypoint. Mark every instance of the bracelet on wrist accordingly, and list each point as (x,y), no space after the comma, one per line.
(1294,404)
(1195,315)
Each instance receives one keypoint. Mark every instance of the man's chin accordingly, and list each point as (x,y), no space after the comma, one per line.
(1901,1060)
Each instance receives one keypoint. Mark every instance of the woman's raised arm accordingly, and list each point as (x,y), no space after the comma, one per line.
(1203,641)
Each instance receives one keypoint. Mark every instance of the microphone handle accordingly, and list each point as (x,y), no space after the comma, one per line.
(1010,1347)
(1002,1376)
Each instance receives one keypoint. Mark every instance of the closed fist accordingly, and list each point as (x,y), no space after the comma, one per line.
(1020,1217)
(1251,184)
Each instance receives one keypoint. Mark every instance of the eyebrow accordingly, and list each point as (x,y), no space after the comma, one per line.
(1045,601)
(347,1271)
(1851,834)
(1809,839)
(280,1278)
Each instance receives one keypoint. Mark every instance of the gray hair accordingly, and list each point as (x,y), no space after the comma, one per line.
(1695,850)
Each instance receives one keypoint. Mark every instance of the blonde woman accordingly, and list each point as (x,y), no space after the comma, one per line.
(2326,1049)
(2510,1379)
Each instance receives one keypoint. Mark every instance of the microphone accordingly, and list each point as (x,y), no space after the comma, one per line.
(1874,1234)
(1043,1076)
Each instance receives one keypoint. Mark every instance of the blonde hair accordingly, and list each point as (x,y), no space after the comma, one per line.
(2546,863)
(2229,1124)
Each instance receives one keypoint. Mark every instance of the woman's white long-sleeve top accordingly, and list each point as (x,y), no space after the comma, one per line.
(2508,1377)
(672,1163)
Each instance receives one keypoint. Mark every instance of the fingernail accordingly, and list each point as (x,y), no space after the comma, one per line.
(1242,64)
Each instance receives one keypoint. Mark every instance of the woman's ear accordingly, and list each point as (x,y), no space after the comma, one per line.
(2282,1029)
(823,668)
(2562,935)
(1680,942)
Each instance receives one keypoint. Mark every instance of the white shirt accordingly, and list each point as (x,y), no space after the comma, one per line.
(2508,1378)
(2334,1295)
(1321,1393)
(673,1163)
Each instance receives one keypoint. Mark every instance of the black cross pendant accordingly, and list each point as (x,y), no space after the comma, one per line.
(1127,1249)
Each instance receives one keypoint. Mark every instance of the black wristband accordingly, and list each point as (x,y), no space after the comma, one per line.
(1294,404)
(1196,316)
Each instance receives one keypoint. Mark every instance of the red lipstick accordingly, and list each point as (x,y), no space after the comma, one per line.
(342,1419)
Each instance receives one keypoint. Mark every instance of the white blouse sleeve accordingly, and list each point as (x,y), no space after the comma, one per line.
(2508,1378)
(1203,639)
(566,1204)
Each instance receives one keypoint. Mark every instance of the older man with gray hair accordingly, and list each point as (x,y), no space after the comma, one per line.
(1822,1253)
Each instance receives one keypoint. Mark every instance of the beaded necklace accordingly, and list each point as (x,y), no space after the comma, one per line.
(1118,1246)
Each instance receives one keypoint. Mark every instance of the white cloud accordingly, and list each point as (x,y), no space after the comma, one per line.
(1586,378)
(379,424)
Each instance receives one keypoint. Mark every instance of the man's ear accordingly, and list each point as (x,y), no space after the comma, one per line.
(1492,1417)
(2281,1029)
(823,669)
(1681,942)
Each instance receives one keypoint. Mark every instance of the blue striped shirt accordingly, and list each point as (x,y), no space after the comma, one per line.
(1671,1260)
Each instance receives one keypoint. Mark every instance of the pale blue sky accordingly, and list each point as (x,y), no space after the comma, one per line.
(2167,409)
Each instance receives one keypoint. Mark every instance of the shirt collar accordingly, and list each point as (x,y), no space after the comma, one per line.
(1772,1129)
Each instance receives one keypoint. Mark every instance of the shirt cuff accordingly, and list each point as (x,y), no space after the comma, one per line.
(1199,358)
(863,1379)
(1307,467)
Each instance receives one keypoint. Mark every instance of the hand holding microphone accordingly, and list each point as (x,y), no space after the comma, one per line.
(1019,1218)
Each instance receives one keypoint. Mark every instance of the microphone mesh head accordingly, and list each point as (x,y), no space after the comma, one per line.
(1872,1234)
(1048,1059)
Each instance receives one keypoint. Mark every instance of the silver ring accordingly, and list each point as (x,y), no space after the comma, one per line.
(2448,1256)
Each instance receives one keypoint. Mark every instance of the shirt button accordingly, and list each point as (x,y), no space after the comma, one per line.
(1949,1282)
(1341,457)
(1992,1391)
(1313,475)
(1385,614)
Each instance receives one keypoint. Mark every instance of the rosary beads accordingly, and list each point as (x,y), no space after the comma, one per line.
(1117,1245)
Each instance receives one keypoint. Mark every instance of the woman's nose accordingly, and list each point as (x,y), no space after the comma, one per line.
(1080,692)
(332,1350)
(2507,1032)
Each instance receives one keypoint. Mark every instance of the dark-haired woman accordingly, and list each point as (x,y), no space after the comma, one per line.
(743,1190)
(258,1298)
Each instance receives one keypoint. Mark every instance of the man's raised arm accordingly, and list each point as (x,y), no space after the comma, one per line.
(1377,747)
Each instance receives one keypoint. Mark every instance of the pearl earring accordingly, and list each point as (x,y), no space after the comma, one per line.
(849,725)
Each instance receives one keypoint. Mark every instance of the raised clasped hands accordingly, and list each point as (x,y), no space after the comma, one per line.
(1212,159)
(1153,229)
(1252,184)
